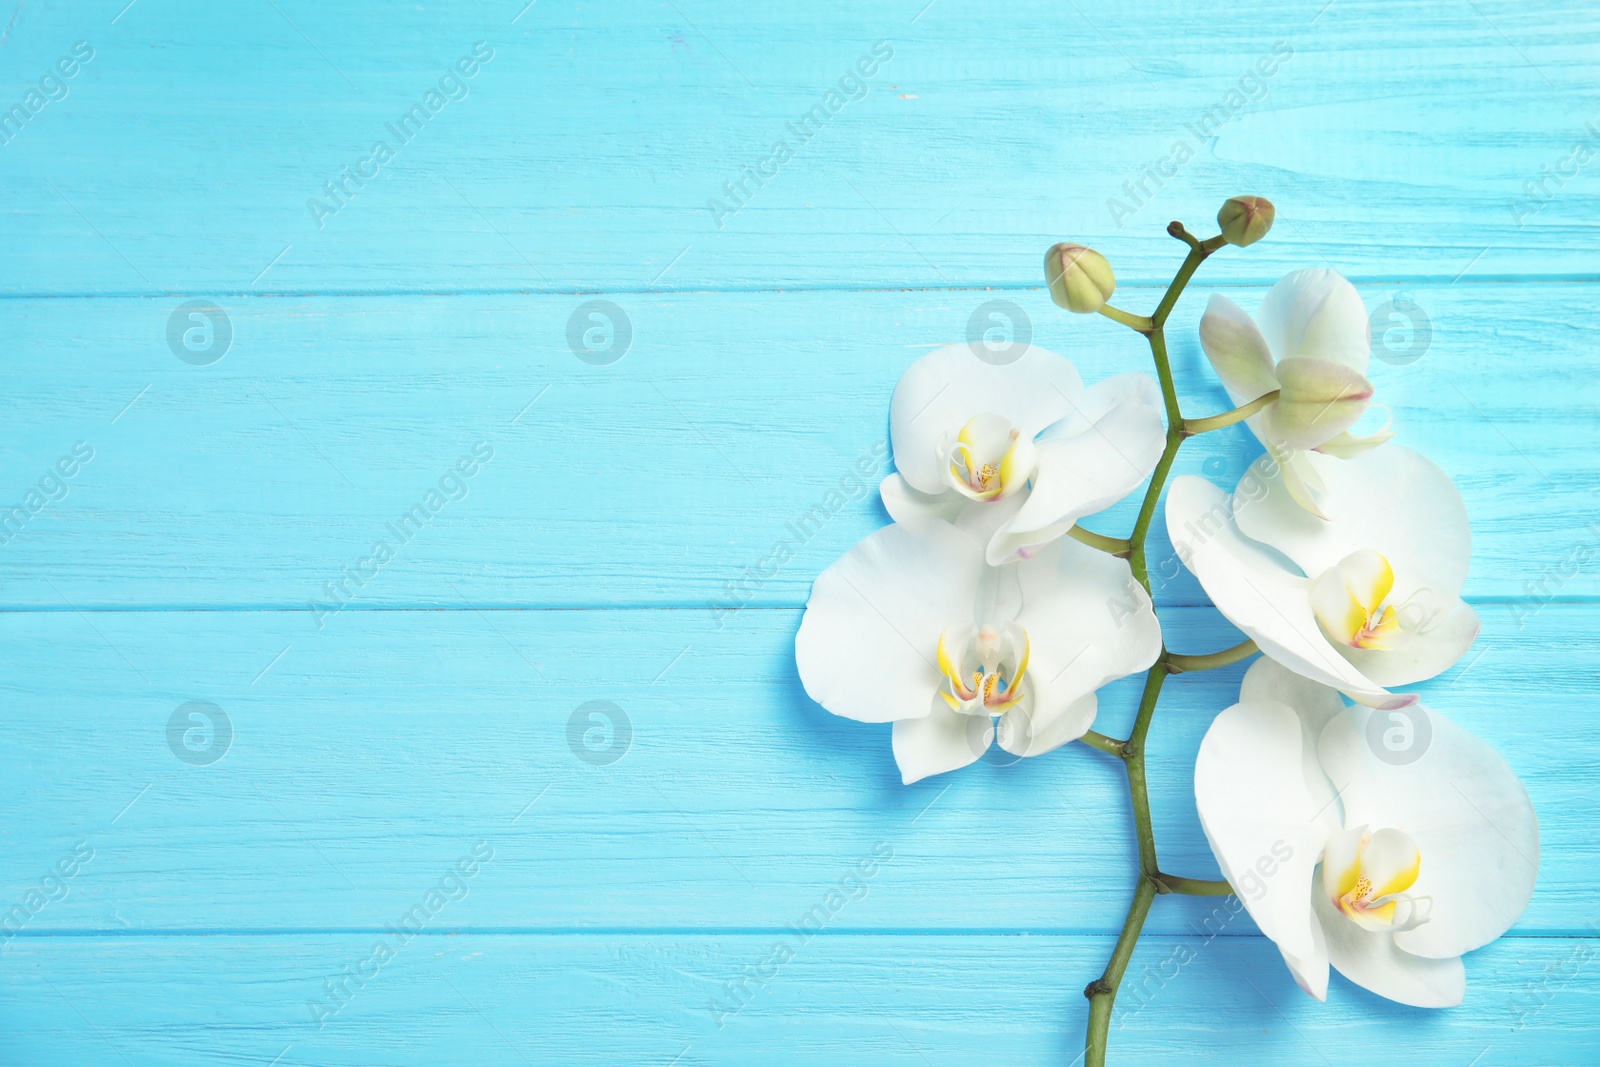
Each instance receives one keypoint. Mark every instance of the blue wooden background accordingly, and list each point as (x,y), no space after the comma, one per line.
(605,883)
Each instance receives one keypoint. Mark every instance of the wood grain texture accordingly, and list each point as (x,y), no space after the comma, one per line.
(733,801)
(843,998)
(734,422)
(585,152)
(605,551)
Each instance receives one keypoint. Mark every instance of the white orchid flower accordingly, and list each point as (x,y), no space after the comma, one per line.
(1367,598)
(968,432)
(1312,344)
(912,627)
(1425,854)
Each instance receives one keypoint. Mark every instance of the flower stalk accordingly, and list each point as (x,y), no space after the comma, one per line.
(1193,887)
(1228,418)
(1114,546)
(1177,664)
(1102,992)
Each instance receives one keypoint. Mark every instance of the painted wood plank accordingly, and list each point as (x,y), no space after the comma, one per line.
(846,999)
(365,760)
(733,423)
(185,156)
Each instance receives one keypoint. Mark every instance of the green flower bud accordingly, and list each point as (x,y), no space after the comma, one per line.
(1080,279)
(1246,219)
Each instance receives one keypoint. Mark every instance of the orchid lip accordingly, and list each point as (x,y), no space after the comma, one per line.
(1366,876)
(989,459)
(984,669)
(1351,602)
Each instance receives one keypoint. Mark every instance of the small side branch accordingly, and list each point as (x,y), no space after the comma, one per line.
(1177,664)
(1109,745)
(1113,546)
(1228,418)
(1193,887)
(1139,323)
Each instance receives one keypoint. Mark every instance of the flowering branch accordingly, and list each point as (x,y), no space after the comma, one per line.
(1081,280)
(1023,425)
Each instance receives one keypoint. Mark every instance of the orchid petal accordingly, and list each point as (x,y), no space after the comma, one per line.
(941,740)
(1374,960)
(1394,501)
(1341,862)
(1302,480)
(1265,823)
(1311,972)
(1319,399)
(1346,445)
(1391,860)
(1087,461)
(981,522)
(1316,313)
(1423,653)
(1029,734)
(1090,622)
(866,644)
(1236,349)
(1467,811)
(1257,593)
(941,392)
(1315,704)
(905,504)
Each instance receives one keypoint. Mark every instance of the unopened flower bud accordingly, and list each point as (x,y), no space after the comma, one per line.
(1080,279)
(1245,219)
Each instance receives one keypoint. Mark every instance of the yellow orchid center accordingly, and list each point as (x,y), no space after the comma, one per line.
(989,459)
(1351,601)
(1366,876)
(983,669)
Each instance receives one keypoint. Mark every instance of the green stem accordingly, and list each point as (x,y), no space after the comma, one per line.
(1193,887)
(1177,664)
(1228,418)
(1102,992)
(1115,546)
(1147,510)
(1135,761)
(1109,745)
(1191,263)
(1169,391)
(1140,323)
